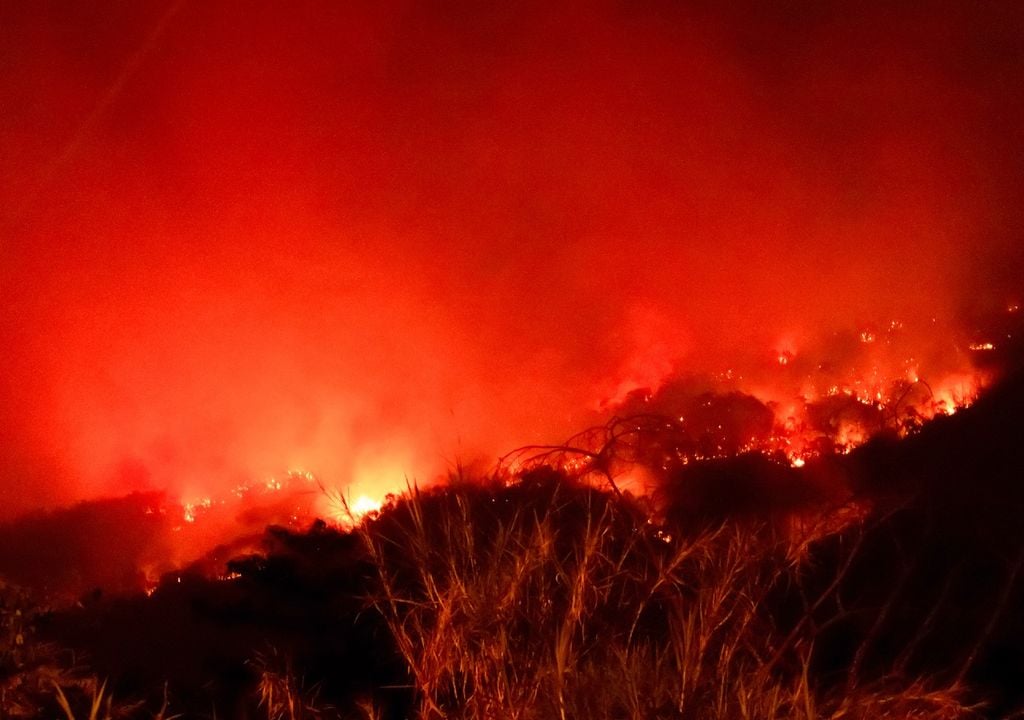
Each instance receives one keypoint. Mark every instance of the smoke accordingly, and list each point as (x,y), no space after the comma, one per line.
(368,241)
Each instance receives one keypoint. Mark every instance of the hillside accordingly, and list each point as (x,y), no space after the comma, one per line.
(860,583)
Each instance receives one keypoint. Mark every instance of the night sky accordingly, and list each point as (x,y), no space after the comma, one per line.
(366,239)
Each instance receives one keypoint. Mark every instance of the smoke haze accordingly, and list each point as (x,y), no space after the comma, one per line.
(368,239)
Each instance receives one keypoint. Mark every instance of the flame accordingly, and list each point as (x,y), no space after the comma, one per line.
(364,504)
(817,407)
(833,398)
(344,511)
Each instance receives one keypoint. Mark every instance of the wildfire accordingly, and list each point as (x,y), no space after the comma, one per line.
(346,511)
(795,405)
(363,505)
(826,399)
(826,414)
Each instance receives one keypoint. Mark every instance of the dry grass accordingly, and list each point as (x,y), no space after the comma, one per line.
(564,602)
(282,694)
(38,679)
(545,598)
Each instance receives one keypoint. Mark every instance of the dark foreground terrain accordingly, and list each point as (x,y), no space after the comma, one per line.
(881,584)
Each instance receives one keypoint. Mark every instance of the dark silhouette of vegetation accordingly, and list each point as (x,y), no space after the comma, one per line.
(880,584)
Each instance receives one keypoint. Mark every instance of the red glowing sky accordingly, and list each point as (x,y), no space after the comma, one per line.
(366,238)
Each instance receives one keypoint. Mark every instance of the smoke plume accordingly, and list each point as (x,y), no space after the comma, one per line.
(368,240)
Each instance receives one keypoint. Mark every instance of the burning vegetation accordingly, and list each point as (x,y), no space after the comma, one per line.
(279,283)
(827,399)
(873,583)
(824,534)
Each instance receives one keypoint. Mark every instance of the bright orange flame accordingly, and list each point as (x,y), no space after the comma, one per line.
(880,386)
(364,504)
